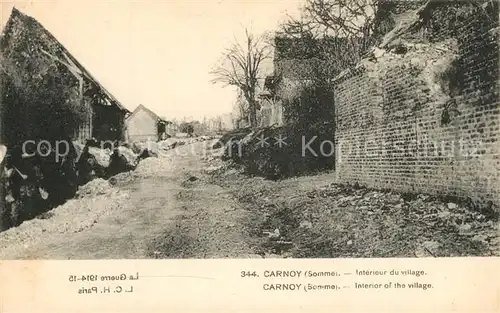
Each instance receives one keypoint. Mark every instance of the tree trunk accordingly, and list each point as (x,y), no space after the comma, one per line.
(253,120)
(252,114)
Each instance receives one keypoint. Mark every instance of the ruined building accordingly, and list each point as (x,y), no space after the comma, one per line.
(298,63)
(421,112)
(271,108)
(47,93)
(47,98)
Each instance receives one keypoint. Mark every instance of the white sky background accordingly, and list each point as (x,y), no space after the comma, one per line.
(156,53)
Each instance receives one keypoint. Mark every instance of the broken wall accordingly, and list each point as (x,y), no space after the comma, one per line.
(300,63)
(423,115)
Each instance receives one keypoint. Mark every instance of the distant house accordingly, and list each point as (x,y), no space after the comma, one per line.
(144,125)
(271,107)
(171,129)
(297,63)
(49,94)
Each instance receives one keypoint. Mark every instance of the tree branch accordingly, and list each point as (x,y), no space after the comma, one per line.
(241,67)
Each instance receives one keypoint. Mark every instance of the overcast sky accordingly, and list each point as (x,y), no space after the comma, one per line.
(158,53)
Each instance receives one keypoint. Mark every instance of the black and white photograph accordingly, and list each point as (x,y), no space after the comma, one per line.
(307,129)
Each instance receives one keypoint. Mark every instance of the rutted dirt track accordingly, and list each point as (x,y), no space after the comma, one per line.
(167,210)
(188,204)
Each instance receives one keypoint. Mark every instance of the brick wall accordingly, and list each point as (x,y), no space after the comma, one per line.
(396,129)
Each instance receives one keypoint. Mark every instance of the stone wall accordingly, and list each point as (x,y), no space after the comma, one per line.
(426,117)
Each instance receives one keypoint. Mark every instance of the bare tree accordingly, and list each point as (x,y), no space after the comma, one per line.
(352,20)
(344,18)
(241,67)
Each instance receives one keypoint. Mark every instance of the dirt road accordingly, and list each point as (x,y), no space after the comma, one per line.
(185,204)
(169,211)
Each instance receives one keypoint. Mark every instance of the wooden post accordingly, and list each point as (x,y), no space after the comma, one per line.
(4,214)
(91,116)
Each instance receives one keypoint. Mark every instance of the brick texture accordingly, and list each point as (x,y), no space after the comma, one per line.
(392,135)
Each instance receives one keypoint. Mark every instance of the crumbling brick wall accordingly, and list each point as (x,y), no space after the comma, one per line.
(428,121)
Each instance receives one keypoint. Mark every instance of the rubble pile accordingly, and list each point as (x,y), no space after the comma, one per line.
(173,142)
(350,221)
(169,143)
(450,226)
(34,184)
(104,163)
(145,150)
(277,152)
(102,157)
(93,162)
(122,160)
(73,216)
(95,187)
(152,167)
(430,64)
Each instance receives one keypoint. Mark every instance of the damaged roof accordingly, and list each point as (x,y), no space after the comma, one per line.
(73,65)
